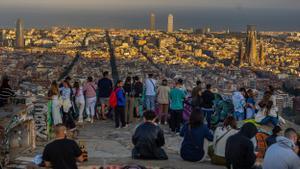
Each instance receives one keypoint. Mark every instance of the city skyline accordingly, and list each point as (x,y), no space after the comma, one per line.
(131,14)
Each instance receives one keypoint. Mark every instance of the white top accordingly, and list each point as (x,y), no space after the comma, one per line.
(261,114)
(79,96)
(225,133)
(150,85)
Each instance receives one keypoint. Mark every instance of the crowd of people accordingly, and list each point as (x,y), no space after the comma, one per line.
(222,130)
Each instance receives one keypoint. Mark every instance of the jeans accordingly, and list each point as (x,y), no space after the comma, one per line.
(150,102)
(80,105)
(90,108)
(239,116)
(175,120)
(250,113)
(207,114)
(270,119)
(120,116)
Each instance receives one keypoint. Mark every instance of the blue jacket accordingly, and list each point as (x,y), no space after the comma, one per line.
(192,145)
(121,100)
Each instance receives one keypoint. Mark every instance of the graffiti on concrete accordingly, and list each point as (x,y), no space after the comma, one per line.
(40,118)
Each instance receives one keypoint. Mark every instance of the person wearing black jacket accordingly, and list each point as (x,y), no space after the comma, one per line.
(137,94)
(239,151)
(128,88)
(105,88)
(207,104)
(148,140)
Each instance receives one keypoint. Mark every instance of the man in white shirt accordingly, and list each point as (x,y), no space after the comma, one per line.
(150,85)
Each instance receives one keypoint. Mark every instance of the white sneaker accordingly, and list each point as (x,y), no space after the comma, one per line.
(88,119)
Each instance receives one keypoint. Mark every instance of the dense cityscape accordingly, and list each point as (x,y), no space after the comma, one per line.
(33,58)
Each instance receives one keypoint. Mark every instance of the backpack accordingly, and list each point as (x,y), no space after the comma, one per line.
(113,100)
(261,144)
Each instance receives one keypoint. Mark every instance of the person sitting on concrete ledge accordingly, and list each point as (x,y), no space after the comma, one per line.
(195,132)
(148,140)
(62,152)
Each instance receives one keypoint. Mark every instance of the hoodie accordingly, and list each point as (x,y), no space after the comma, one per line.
(238,101)
(239,150)
(281,155)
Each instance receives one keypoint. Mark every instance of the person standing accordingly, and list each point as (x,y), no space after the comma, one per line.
(53,95)
(5,91)
(66,95)
(120,107)
(89,90)
(194,133)
(177,97)
(163,101)
(105,87)
(196,96)
(197,90)
(239,102)
(62,152)
(283,154)
(128,88)
(137,93)
(79,100)
(150,85)
(207,104)
(239,150)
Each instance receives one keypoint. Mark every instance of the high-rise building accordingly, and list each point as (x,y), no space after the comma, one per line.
(241,54)
(2,36)
(262,54)
(251,52)
(152,21)
(20,34)
(170,23)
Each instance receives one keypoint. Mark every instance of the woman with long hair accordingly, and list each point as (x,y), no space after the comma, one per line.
(66,93)
(163,101)
(90,90)
(267,112)
(194,134)
(221,134)
(79,100)
(53,95)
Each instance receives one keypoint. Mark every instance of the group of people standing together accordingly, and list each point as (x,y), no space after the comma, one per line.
(164,104)
(68,103)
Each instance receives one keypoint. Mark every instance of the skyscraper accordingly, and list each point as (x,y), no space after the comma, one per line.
(251,52)
(262,54)
(170,23)
(241,54)
(152,21)
(2,36)
(19,34)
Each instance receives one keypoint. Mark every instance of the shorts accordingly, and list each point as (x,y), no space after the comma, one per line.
(104,100)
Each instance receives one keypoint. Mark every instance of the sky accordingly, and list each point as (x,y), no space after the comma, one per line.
(267,14)
(92,4)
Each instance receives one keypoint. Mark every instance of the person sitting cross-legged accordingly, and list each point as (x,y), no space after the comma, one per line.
(62,152)
(194,132)
(148,139)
